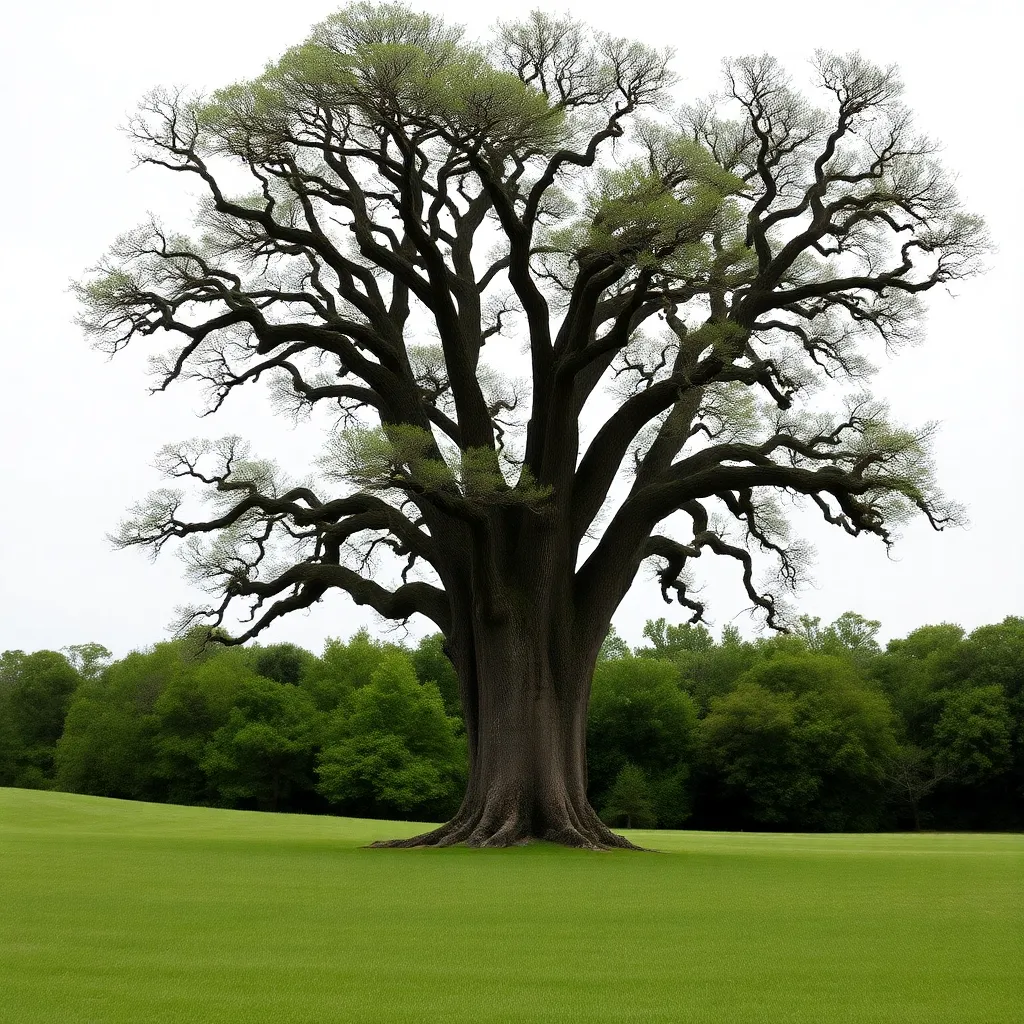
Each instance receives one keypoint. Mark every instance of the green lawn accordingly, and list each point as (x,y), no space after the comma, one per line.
(142,913)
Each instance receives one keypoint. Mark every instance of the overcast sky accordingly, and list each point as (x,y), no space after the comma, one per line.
(79,432)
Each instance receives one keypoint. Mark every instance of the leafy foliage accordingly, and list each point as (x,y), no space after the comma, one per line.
(817,730)
(629,800)
(640,717)
(801,740)
(709,266)
(265,748)
(35,690)
(392,748)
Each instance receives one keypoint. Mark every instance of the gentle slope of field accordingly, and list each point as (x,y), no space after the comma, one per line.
(141,913)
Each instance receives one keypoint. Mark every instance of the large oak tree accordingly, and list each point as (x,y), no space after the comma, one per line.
(398,223)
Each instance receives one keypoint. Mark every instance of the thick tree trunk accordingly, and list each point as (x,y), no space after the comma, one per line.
(525,692)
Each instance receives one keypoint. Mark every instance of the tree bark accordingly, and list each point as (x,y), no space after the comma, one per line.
(525,691)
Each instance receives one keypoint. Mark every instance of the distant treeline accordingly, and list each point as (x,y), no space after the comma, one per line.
(818,730)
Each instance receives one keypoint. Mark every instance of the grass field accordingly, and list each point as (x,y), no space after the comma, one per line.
(116,911)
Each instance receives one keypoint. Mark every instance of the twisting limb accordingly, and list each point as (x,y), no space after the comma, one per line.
(671,576)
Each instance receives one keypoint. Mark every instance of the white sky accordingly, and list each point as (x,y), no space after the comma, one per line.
(79,432)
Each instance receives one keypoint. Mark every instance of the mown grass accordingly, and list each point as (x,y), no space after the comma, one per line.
(115,911)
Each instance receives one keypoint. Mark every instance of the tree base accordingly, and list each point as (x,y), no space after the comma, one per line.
(514,831)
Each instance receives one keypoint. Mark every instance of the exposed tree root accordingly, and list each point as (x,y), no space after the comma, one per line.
(484,830)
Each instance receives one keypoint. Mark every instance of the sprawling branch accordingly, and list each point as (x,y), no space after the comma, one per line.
(416,201)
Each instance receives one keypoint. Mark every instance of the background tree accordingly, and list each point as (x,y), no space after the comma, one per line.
(713,673)
(35,690)
(800,743)
(433,665)
(972,735)
(908,673)
(640,716)
(415,198)
(958,708)
(851,636)
(195,702)
(283,663)
(629,800)
(108,746)
(820,741)
(993,655)
(266,746)
(613,646)
(912,774)
(88,659)
(668,641)
(390,748)
(343,667)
